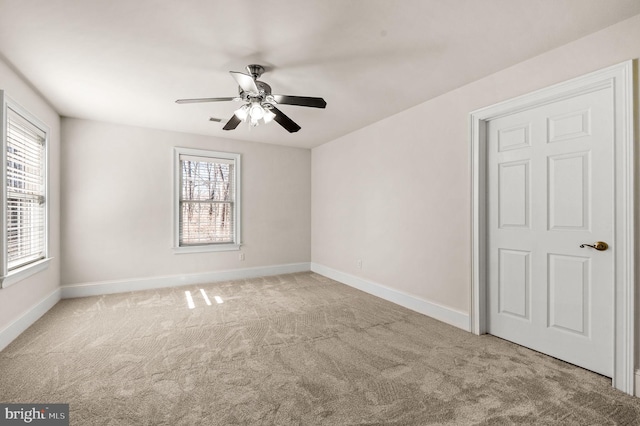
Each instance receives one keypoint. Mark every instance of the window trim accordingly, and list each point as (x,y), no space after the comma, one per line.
(8,278)
(177,189)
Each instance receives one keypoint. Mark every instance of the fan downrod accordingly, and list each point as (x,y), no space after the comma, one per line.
(255,70)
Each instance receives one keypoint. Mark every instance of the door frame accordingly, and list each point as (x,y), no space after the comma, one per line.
(620,79)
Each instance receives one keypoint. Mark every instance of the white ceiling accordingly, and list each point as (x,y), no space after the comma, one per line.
(127,61)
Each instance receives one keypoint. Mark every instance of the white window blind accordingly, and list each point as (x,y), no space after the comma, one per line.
(207,207)
(25,192)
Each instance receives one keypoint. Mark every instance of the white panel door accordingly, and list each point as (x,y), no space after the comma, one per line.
(550,190)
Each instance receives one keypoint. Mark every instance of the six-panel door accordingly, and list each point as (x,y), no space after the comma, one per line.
(550,189)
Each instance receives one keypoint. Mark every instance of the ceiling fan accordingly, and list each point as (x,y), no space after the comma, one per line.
(259,102)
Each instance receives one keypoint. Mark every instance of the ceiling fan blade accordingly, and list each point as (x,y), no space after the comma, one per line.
(191,101)
(232,123)
(305,101)
(245,81)
(284,121)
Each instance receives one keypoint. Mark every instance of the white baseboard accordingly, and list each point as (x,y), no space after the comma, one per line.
(13,330)
(441,313)
(136,284)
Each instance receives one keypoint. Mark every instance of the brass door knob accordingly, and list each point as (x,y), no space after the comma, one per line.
(600,246)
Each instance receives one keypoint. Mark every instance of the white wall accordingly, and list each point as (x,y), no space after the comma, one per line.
(117,205)
(397,194)
(20,298)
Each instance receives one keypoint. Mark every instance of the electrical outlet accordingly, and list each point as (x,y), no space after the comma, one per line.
(359,263)
(241,256)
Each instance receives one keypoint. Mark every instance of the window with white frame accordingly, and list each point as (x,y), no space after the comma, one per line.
(207,200)
(24,201)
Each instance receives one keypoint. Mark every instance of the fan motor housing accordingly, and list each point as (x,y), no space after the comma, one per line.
(263,88)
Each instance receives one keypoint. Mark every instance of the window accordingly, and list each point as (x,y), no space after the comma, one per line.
(207,200)
(24,202)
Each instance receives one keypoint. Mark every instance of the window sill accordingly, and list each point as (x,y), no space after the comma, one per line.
(24,272)
(206,248)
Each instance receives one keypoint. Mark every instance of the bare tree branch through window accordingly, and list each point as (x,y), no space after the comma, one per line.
(206,201)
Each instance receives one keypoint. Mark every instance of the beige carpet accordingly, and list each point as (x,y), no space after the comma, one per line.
(294,349)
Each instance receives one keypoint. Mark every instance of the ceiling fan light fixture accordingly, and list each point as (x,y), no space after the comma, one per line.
(256,111)
(268,116)
(242,112)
